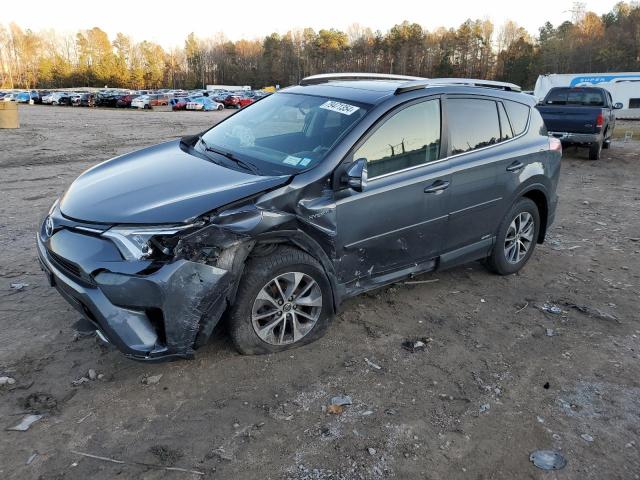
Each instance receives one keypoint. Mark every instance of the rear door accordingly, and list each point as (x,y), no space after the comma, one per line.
(473,126)
(399,218)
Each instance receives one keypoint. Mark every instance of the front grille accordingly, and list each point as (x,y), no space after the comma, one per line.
(65,265)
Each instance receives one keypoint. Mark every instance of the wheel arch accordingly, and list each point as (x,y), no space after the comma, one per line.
(300,240)
(537,193)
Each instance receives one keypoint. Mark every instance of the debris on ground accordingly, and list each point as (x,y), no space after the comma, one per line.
(337,404)
(546,386)
(485,407)
(221,454)
(417,345)
(420,282)
(590,311)
(335,409)
(371,364)
(31,458)
(341,400)
(551,308)
(586,437)
(7,381)
(19,285)
(152,379)
(80,381)
(548,460)
(148,465)
(85,417)
(550,332)
(25,423)
(92,374)
(372,451)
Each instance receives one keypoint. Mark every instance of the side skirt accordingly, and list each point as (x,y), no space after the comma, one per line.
(466,254)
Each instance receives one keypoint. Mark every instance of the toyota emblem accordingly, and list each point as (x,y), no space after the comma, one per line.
(48,226)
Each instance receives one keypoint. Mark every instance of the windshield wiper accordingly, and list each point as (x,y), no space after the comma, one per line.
(246,165)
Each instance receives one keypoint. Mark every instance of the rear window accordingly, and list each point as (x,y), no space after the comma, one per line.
(472,123)
(518,115)
(575,96)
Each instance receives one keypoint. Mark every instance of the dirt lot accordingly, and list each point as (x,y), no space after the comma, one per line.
(499,378)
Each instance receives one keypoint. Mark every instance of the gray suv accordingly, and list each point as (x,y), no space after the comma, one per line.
(274,216)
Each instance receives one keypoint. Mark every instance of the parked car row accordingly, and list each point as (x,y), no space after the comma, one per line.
(25,96)
(203,100)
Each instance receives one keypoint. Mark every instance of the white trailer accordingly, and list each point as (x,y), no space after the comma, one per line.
(624,88)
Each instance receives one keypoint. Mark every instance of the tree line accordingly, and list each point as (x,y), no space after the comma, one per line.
(587,43)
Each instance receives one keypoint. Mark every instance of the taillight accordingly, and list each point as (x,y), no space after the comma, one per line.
(600,120)
(555,145)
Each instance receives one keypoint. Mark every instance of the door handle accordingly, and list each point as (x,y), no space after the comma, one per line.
(515,166)
(437,186)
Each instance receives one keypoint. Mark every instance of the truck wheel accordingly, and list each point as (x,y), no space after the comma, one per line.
(516,238)
(284,301)
(594,151)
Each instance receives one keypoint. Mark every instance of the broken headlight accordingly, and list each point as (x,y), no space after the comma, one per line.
(138,243)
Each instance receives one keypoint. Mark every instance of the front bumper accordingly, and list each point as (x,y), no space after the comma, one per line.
(146,316)
(577,138)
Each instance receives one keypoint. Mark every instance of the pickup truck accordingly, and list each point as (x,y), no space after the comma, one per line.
(581,116)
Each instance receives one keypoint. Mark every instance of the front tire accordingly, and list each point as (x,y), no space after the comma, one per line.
(284,301)
(516,239)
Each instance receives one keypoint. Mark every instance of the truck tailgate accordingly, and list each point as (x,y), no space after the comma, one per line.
(568,118)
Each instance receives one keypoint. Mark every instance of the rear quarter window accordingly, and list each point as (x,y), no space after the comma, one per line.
(518,115)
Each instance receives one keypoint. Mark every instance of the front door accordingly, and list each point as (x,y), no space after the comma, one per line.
(399,218)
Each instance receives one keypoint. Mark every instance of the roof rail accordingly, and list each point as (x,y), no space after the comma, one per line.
(471,82)
(328,77)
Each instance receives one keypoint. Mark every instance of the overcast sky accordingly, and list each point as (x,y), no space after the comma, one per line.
(168,23)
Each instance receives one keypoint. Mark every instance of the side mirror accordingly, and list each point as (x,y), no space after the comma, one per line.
(617,106)
(356,175)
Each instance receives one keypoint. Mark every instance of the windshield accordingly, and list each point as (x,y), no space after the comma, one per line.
(285,133)
(570,96)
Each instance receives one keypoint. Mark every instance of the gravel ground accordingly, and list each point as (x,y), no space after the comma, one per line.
(499,377)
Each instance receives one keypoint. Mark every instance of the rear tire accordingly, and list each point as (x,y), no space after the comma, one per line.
(515,233)
(251,304)
(595,150)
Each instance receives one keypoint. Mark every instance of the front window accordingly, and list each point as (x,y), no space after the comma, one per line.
(409,138)
(285,133)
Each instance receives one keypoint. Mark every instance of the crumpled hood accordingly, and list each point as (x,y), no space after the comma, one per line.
(159,184)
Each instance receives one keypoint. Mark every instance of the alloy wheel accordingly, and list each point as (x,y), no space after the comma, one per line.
(519,237)
(286,308)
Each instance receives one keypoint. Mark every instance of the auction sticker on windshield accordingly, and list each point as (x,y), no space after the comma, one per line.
(343,108)
(291,160)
